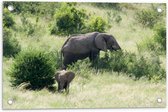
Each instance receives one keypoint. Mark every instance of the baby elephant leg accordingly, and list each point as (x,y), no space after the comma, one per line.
(67,88)
(60,87)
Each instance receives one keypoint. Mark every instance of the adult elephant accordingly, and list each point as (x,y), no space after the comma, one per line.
(87,45)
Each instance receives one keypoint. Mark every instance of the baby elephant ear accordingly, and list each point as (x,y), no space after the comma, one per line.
(57,76)
(71,76)
(100,42)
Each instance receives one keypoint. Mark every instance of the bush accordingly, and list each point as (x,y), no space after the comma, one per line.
(120,61)
(157,43)
(34,67)
(30,28)
(147,45)
(134,66)
(156,72)
(97,24)
(139,68)
(30,7)
(118,19)
(117,61)
(10,45)
(7,18)
(115,6)
(148,67)
(113,17)
(68,20)
(160,35)
(148,18)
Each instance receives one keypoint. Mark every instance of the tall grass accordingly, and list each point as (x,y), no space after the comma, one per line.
(109,88)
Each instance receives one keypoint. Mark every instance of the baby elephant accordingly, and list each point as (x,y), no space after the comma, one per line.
(63,79)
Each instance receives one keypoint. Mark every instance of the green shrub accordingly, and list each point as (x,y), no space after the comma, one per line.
(113,16)
(29,27)
(10,45)
(147,45)
(103,62)
(7,18)
(34,67)
(19,7)
(97,24)
(157,43)
(148,18)
(148,67)
(121,60)
(115,6)
(139,68)
(160,35)
(156,72)
(44,9)
(135,66)
(117,61)
(68,20)
(118,19)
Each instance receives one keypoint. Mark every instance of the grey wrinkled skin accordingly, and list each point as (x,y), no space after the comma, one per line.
(63,79)
(87,45)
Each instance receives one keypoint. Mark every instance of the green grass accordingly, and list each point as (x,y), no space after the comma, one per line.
(103,90)
(106,90)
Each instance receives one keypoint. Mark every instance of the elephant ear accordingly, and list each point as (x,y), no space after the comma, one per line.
(71,76)
(57,76)
(100,42)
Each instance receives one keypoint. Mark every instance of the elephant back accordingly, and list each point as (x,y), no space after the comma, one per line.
(79,44)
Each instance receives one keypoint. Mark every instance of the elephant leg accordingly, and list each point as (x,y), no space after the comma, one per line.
(93,57)
(67,88)
(69,59)
(97,63)
(59,87)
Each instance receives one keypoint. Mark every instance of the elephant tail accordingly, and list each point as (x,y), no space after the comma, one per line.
(61,59)
(63,67)
(62,53)
(65,43)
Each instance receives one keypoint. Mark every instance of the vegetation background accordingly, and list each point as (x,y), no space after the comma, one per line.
(34,32)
